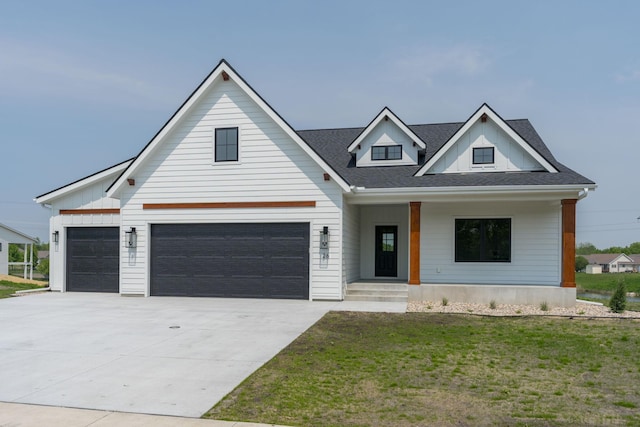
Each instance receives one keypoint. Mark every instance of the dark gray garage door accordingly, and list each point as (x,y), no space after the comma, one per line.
(230,260)
(92,259)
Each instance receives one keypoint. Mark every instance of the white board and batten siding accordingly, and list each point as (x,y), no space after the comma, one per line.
(386,133)
(535,244)
(271,167)
(351,246)
(508,154)
(89,197)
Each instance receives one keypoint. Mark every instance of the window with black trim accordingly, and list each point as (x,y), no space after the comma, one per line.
(483,156)
(226,145)
(483,240)
(387,152)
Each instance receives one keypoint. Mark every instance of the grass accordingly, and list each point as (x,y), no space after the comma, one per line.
(607,282)
(8,288)
(375,369)
(605,285)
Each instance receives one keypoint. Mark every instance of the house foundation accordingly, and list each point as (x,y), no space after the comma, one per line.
(500,294)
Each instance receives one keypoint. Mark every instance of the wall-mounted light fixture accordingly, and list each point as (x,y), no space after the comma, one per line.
(324,238)
(130,238)
(55,236)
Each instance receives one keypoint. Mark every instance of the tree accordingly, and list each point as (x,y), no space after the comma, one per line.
(581,263)
(634,248)
(618,300)
(586,249)
(43,267)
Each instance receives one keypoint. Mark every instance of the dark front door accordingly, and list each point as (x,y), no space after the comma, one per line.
(387,250)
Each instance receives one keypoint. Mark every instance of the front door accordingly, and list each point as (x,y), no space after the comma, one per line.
(387,250)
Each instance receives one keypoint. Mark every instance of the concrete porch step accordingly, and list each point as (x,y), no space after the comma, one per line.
(371,291)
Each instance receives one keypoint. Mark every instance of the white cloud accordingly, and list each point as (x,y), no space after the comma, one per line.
(628,76)
(428,63)
(34,71)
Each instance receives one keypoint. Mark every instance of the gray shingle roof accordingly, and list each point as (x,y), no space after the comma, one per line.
(331,145)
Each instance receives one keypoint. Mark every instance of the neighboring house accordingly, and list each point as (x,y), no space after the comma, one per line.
(10,236)
(610,263)
(227,199)
(636,262)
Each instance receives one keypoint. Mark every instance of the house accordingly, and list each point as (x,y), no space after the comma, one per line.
(10,236)
(636,262)
(228,200)
(609,263)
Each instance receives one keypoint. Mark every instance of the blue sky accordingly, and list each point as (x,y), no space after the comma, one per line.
(85,84)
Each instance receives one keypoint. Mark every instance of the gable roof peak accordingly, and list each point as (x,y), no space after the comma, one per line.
(484,113)
(226,71)
(384,115)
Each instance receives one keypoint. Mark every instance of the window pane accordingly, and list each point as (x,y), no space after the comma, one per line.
(377,153)
(483,240)
(483,156)
(226,144)
(395,152)
(388,242)
(468,240)
(391,152)
(498,240)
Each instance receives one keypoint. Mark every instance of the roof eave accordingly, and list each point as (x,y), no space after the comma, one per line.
(81,183)
(578,190)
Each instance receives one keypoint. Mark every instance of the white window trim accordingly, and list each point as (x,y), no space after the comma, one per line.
(482,166)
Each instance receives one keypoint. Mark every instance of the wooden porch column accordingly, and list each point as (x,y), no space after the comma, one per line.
(568,243)
(414,244)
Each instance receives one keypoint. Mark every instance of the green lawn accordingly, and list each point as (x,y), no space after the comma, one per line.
(607,282)
(8,288)
(374,369)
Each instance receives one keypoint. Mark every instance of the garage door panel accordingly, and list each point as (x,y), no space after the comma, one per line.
(93,262)
(231,260)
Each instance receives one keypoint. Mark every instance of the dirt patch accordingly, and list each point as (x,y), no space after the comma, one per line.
(15,279)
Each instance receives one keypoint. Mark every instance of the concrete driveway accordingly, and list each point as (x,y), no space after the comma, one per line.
(170,356)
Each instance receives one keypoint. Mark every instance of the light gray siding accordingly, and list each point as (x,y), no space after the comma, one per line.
(370,217)
(535,244)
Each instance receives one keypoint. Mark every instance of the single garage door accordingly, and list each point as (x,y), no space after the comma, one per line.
(230,260)
(93,259)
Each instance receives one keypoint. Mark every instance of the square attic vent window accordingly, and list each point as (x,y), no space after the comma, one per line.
(483,156)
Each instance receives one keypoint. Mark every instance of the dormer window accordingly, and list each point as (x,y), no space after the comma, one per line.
(483,156)
(387,152)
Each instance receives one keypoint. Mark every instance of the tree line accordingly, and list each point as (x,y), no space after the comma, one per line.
(590,248)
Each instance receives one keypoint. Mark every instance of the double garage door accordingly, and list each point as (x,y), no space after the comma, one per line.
(207,260)
(230,260)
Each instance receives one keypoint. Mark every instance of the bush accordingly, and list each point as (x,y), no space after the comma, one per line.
(618,300)
(43,267)
(581,263)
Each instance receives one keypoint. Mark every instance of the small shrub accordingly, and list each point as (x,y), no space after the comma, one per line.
(492,305)
(618,300)
(445,302)
(544,306)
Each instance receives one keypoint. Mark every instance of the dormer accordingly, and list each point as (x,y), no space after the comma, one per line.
(486,143)
(386,141)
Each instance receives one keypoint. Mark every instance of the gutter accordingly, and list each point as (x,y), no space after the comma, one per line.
(471,190)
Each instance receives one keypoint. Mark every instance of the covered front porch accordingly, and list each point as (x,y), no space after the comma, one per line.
(414,245)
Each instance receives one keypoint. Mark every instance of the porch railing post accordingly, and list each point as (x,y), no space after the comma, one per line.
(414,244)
